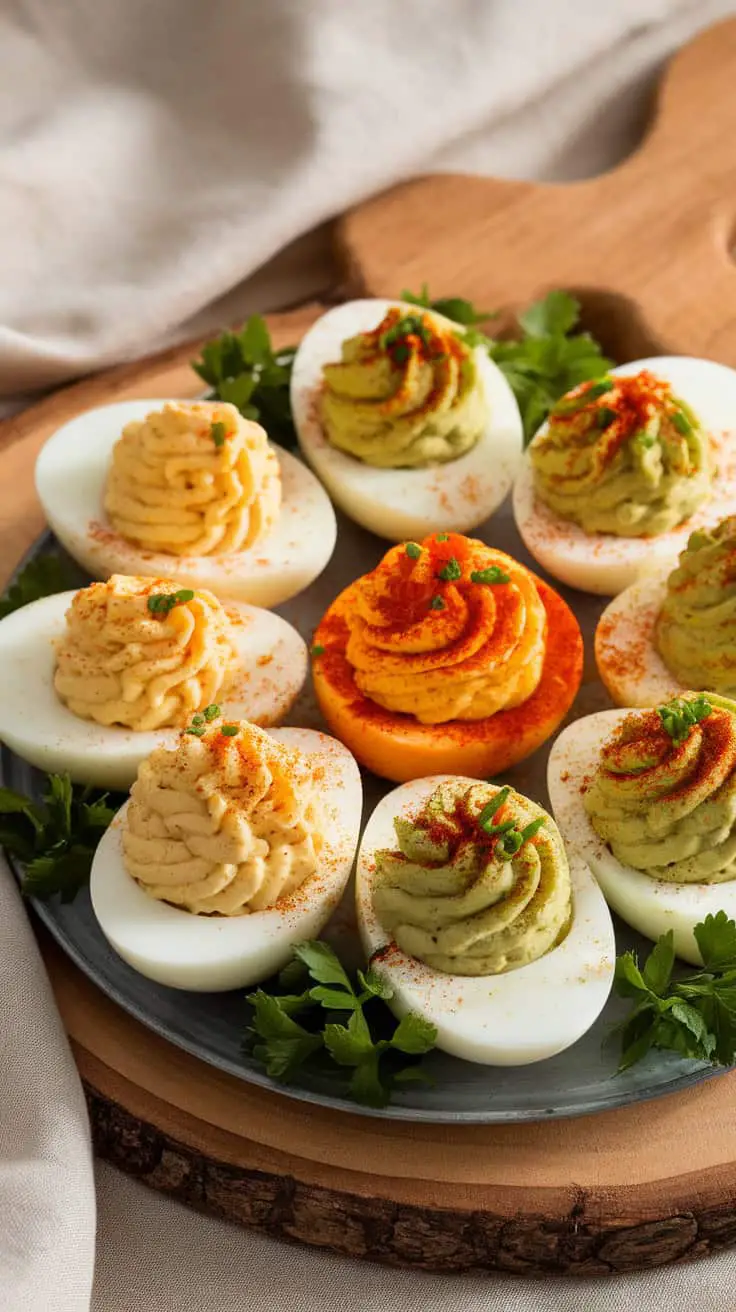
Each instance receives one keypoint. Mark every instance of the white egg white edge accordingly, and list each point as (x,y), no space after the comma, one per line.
(71,472)
(651,906)
(384,500)
(487,1019)
(39,728)
(216,953)
(640,677)
(601,563)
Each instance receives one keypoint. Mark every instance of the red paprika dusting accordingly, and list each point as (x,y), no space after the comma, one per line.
(632,399)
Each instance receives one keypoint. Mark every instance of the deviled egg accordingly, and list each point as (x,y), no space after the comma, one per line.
(625,468)
(648,800)
(188,491)
(93,681)
(449,657)
(674,629)
(469,909)
(236,844)
(410,429)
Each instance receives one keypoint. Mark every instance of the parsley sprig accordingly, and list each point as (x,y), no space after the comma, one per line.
(244,369)
(41,577)
(545,362)
(694,1014)
(55,839)
(344,1028)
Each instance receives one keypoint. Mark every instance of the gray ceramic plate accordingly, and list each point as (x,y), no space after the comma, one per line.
(583,1079)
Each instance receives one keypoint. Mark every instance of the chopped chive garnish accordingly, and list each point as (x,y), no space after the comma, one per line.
(679,717)
(514,839)
(494,574)
(413,550)
(442,537)
(318,649)
(450,571)
(196,729)
(681,422)
(598,389)
(211,712)
(485,819)
(605,416)
(229,730)
(162,602)
(436,604)
(197,719)
(218,432)
(645,439)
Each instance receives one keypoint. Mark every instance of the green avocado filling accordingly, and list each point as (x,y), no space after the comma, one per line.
(695,632)
(479,882)
(623,456)
(406,395)
(664,795)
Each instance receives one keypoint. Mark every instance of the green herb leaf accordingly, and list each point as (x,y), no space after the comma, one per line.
(323,963)
(554,316)
(494,574)
(716,939)
(218,432)
(349,1044)
(160,603)
(41,577)
(413,550)
(451,571)
(318,649)
(373,983)
(491,809)
(211,712)
(55,839)
(366,1085)
(230,730)
(436,604)
(414,1035)
(245,369)
(657,970)
(286,1044)
(679,716)
(628,979)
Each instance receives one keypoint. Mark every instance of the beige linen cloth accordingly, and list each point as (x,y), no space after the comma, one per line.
(153,156)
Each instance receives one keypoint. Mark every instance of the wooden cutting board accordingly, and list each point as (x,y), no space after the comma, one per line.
(647,248)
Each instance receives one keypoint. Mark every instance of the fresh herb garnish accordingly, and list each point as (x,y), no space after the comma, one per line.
(244,369)
(450,571)
(162,602)
(230,730)
(491,809)
(413,550)
(218,432)
(681,422)
(494,574)
(55,839)
(409,325)
(41,577)
(549,360)
(318,649)
(442,537)
(695,1014)
(605,417)
(514,839)
(679,717)
(436,604)
(367,1055)
(211,712)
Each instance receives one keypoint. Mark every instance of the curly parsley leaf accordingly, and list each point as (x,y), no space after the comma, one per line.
(41,577)
(693,1013)
(244,369)
(368,1053)
(55,839)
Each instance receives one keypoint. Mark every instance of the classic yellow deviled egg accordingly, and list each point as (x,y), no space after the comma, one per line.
(94,680)
(410,430)
(236,844)
(626,467)
(675,628)
(468,907)
(186,490)
(648,800)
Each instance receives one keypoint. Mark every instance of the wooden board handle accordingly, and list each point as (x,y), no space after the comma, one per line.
(646,247)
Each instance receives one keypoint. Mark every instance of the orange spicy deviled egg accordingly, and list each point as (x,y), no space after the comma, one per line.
(450,656)
(626,467)
(186,490)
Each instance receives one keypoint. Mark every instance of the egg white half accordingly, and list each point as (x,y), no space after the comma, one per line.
(210,954)
(522,1016)
(600,562)
(71,473)
(652,906)
(271,669)
(628,662)
(405,503)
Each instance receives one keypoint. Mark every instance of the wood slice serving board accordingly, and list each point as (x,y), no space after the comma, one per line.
(648,249)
